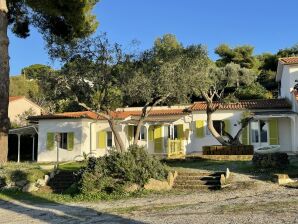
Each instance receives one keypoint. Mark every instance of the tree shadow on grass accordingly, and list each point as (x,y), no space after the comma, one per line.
(240,167)
(18,207)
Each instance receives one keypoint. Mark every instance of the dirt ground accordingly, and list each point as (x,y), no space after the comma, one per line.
(247,200)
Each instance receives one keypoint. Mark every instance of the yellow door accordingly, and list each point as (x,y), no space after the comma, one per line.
(158,140)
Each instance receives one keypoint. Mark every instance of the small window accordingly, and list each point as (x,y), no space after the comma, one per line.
(217,126)
(175,136)
(63,141)
(142,135)
(109,139)
(169,132)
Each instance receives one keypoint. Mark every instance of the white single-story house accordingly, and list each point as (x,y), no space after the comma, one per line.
(274,123)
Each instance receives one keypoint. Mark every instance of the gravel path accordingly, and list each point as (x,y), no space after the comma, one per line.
(246,201)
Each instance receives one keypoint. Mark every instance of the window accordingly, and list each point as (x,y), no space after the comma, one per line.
(217,126)
(142,135)
(63,141)
(259,131)
(173,132)
(109,139)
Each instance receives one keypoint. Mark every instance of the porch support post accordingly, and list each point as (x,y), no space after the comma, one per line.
(147,136)
(19,147)
(33,144)
(293,131)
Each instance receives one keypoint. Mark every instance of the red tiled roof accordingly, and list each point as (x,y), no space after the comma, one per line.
(247,104)
(289,60)
(13,98)
(116,115)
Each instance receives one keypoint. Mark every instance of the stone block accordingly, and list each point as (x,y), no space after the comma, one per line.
(282,179)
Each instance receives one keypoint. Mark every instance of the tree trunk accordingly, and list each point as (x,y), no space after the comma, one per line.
(4,82)
(138,130)
(119,143)
(212,130)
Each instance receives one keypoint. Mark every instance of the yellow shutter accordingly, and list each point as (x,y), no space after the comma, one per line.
(227,126)
(273,132)
(101,140)
(158,140)
(70,141)
(200,133)
(151,133)
(50,140)
(130,133)
(245,136)
(180,132)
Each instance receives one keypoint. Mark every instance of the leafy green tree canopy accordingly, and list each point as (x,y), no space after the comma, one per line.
(36,71)
(242,55)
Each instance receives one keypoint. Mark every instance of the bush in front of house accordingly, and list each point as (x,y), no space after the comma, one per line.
(112,172)
(270,160)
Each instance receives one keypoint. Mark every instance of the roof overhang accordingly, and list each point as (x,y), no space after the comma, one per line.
(27,130)
(133,120)
(273,114)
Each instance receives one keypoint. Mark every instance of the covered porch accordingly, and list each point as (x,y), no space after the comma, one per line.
(274,128)
(23,143)
(163,136)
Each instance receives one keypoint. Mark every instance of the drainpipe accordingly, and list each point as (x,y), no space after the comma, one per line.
(90,129)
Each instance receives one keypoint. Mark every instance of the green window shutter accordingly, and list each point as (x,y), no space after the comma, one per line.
(245,136)
(273,132)
(70,141)
(180,133)
(200,133)
(101,140)
(50,141)
(227,126)
(130,133)
(151,133)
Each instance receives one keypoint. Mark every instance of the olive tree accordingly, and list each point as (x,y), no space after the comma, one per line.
(91,76)
(211,83)
(57,20)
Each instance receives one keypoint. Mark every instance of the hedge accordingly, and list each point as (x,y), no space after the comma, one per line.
(228,150)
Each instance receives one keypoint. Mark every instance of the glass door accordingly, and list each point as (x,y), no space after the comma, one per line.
(259,133)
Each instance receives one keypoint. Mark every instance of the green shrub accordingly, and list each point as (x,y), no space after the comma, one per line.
(111,172)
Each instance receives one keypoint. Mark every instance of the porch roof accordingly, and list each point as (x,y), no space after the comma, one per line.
(274,113)
(26,130)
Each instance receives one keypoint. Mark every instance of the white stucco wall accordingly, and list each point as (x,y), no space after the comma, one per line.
(195,144)
(288,80)
(60,126)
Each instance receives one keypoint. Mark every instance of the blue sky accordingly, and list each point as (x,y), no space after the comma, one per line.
(265,24)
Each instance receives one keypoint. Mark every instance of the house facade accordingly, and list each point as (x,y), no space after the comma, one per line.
(274,123)
(18,105)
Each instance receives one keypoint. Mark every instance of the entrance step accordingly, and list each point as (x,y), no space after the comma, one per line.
(197,180)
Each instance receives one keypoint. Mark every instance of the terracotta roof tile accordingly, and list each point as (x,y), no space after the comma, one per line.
(289,60)
(13,98)
(247,104)
(116,115)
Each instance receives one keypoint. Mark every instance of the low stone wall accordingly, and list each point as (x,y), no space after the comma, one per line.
(271,160)
(228,150)
(221,157)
